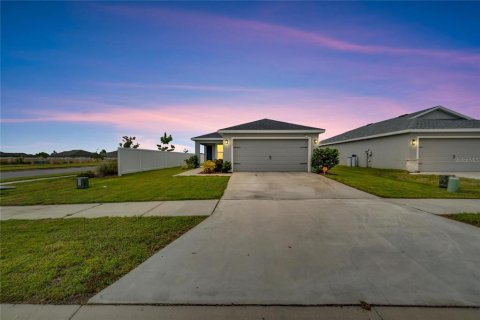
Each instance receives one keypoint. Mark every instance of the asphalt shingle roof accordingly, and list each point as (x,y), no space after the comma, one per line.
(268,124)
(209,136)
(405,122)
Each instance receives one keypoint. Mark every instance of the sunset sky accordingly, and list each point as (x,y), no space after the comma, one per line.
(81,75)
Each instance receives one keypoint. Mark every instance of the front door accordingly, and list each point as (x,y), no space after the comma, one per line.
(209,152)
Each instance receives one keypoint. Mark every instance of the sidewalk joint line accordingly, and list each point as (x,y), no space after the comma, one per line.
(158,205)
(215,208)
(71,214)
(75,312)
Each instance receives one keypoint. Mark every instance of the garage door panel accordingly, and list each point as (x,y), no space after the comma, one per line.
(271,155)
(449,154)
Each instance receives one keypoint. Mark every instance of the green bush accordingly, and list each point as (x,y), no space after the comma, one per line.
(218,165)
(227,166)
(88,174)
(192,162)
(208,166)
(324,157)
(109,168)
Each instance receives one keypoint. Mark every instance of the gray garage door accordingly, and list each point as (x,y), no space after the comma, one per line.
(449,154)
(270,155)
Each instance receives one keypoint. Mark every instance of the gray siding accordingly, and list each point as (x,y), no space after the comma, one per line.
(391,152)
(270,155)
(387,152)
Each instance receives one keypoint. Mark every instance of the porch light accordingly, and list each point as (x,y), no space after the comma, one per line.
(315,141)
(414,142)
(226,141)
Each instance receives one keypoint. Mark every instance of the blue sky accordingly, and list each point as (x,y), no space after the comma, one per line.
(79,75)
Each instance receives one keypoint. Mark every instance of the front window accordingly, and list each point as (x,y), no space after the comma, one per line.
(220,151)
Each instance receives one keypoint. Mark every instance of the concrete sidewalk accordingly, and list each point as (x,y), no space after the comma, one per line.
(195,208)
(440,206)
(120,209)
(120,312)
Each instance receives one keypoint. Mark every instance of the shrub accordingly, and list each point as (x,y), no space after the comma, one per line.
(324,158)
(227,166)
(109,168)
(88,174)
(208,166)
(218,165)
(192,162)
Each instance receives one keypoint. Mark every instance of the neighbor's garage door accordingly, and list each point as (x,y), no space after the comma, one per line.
(454,154)
(270,155)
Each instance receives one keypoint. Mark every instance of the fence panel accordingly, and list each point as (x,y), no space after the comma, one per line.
(136,160)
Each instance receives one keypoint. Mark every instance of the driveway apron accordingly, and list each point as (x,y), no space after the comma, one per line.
(301,239)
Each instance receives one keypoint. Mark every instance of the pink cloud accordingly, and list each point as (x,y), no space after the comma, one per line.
(335,114)
(279,33)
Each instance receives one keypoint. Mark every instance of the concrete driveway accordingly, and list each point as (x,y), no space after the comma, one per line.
(308,249)
(287,186)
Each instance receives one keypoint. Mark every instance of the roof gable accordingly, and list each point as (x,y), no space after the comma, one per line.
(270,125)
(438,113)
(436,118)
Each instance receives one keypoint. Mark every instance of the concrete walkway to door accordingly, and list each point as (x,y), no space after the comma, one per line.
(301,239)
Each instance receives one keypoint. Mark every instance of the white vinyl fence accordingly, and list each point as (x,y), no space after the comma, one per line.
(136,160)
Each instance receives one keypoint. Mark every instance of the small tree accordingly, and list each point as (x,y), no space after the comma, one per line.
(324,157)
(100,156)
(42,155)
(164,143)
(54,153)
(128,142)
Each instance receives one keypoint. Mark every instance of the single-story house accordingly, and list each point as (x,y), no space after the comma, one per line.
(262,145)
(432,140)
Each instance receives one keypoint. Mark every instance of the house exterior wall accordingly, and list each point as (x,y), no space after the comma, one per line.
(391,152)
(227,148)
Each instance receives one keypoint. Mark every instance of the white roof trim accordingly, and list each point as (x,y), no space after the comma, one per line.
(400,132)
(444,110)
(272,131)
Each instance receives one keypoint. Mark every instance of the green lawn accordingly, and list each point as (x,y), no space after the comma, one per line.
(470,218)
(143,186)
(41,177)
(388,183)
(70,260)
(15,167)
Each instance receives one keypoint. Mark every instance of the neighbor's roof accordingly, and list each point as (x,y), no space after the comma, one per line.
(213,135)
(412,121)
(268,124)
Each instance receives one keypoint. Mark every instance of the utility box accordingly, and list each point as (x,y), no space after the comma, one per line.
(354,160)
(443,180)
(82,183)
(453,184)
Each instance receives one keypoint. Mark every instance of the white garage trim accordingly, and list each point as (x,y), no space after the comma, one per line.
(309,150)
(431,162)
(439,137)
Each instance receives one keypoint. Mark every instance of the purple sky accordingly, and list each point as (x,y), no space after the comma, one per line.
(81,75)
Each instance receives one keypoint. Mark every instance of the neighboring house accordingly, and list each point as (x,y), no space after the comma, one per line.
(434,139)
(262,145)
